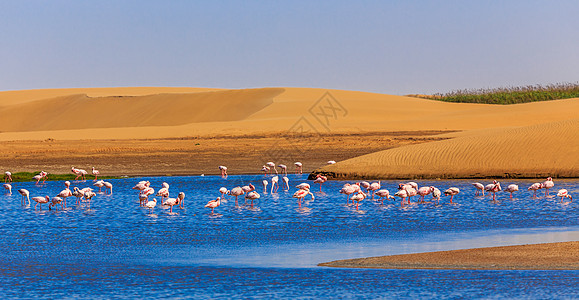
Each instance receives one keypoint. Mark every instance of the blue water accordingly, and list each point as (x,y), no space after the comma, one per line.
(117,249)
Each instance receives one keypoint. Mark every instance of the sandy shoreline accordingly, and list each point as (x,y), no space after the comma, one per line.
(548,256)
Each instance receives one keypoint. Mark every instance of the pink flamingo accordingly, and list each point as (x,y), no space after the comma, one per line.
(436,194)
(78,194)
(359,196)
(253,196)
(25,195)
(374,187)
(213,204)
(534,187)
(383,194)
(141,185)
(452,192)
(108,186)
(163,192)
(8,186)
(88,196)
(274,184)
(151,204)
(403,194)
(301,194)
(265,170)
(493,188)
(171,202)
(563,193)
(65,194)
(223,170)
(320,179)
(423,191)
(7,177)
(511,189)
(479,187)
(181,197)
(96,173)
(40,200)
(547,185)
(299,167)
(303,186)
(37,178)
(79,173)
(286,182)
(54,202)
(271,165)
(236,192)
(347,189)
(223,191)
(365,185)
(283,169)
(99,184)
(143,198)
(265,183)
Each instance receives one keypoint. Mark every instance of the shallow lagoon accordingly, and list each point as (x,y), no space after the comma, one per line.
(117,249)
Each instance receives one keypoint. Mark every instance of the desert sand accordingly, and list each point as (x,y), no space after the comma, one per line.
(138,131)
(551,256)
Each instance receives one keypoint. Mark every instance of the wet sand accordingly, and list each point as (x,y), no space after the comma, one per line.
(549,256)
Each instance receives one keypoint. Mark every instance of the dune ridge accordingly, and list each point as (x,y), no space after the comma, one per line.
(541,150)
(83,112)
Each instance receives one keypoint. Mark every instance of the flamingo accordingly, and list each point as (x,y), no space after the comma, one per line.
(303,186)
(366,186)
(436,194)
(563,193)
(236,192)
(143,199)
(511,189)
(348,190)
(265,170)
(299,167)
(493,188)
(164,191)
(223,191)
(253,196)
(547,185)
(181,197)
(403,194)
(141,185)
(223,170)
(271,165)
(78,194)
(54,202)
(248,188)
(174,201)
(383,194)
(40,200)
(265,183)
(359,196)
(83,173)
(148,191)
(25,194)
(151,204)
(96,173)
(274,184)
(37,178)
(283,169)
(423,191)
(78,173)
(7,177)
(320,179)
(213,204)
(479,188)
(99,184)
(301,194)
(65,194)
(374,187)
(108,186)
(285,180)
(8,186)
(452,192)
(88,196)
(534,187)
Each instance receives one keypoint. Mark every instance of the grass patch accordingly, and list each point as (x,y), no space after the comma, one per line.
(510,95)
(27,176)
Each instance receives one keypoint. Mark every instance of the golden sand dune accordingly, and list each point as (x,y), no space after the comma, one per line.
(82,111)
(550,149)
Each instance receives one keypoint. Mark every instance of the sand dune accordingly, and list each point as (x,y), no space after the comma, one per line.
(82,111)
(542,150)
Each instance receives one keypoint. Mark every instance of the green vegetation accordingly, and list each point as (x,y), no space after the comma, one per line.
(27,176)
(510,95)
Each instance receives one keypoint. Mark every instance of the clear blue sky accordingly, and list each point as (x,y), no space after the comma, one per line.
(393,47)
